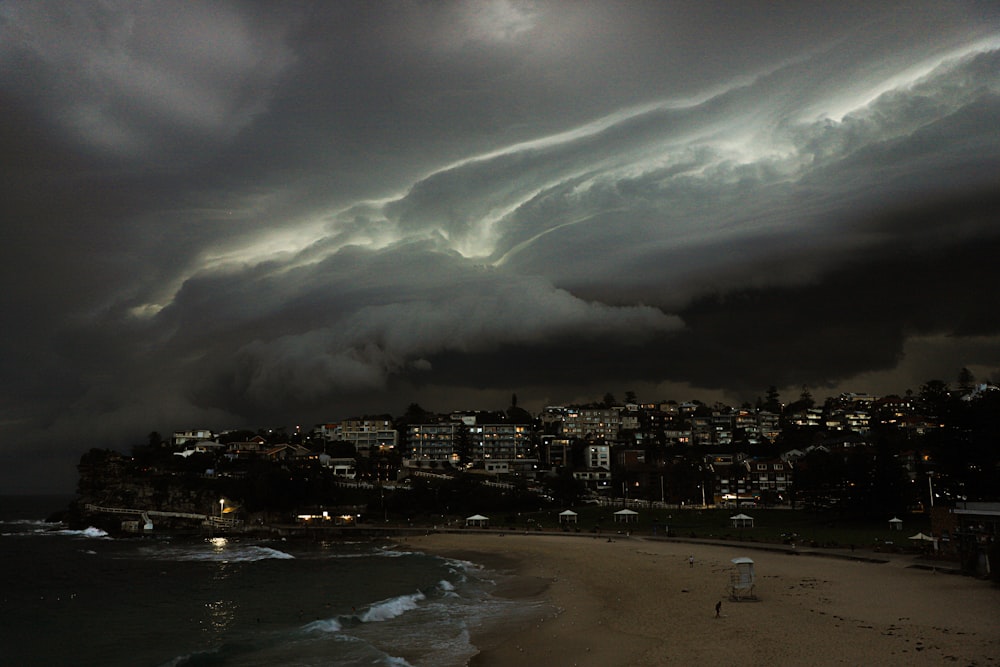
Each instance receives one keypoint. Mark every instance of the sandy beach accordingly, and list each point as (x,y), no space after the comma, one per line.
(633,601)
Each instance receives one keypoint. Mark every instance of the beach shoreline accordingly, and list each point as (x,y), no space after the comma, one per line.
(634,601)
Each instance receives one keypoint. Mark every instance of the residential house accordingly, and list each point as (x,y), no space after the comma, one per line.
(194,435)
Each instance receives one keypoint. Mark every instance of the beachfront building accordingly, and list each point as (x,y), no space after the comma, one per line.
(598,479)
(729,483)
(769,478)
(977,533)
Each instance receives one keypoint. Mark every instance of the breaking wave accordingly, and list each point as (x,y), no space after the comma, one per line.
(391,608)
(214,553)
(90,532)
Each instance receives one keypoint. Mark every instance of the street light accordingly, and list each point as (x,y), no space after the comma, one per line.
(222,506)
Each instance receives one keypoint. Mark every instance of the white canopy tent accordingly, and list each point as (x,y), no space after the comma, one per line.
(742,521)
(626,516)
(569,516)
(895,523)
(477,520)
(923,537)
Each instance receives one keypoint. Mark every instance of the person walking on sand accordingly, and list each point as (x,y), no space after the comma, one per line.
(690,561)
(718,608)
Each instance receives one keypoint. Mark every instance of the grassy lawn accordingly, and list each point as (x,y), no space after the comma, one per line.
(770,525)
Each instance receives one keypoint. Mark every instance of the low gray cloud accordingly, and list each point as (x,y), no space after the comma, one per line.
(130,79)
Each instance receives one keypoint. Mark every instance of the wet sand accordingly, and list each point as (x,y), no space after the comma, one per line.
(639,602)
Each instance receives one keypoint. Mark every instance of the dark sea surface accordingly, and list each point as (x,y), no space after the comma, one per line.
(82,598)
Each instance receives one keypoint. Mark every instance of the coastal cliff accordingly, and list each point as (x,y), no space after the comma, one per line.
(109,479)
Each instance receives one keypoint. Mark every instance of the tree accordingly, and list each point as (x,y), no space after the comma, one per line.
(630,397)
(565,488)
(805,402)
(463,444)
(934,398)
(772,400)
(806,399)
(516,415)
(609,400)
(966,381)
(416,415)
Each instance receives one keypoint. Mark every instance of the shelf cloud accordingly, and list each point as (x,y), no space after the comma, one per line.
(234,214)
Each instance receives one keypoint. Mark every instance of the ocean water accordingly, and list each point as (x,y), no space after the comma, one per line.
(82,598)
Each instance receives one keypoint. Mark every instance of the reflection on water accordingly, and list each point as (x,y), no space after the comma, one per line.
(220,614)
(219,544)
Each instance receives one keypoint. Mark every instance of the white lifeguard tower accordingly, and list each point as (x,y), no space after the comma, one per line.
(741,580)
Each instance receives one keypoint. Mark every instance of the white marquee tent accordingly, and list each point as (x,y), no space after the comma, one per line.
(569,516)
(626,516)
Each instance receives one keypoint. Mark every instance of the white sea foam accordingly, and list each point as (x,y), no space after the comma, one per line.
(90,532)
(323,626)
(263,553)
(223,554)
(446,585)
(181,660)
(27,527)
(392,553)
(391,608)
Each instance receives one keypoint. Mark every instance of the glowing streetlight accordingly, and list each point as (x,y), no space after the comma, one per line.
(222,506)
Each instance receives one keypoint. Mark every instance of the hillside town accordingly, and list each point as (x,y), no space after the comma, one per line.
(855,454)
(817,476)
(900,452)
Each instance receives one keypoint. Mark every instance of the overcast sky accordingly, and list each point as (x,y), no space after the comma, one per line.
(266,214)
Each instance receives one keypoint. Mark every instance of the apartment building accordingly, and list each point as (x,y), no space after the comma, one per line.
(500,441)
(369,436)
(434,442)
(592,423)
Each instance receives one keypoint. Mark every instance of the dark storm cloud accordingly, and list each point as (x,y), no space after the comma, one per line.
(230,213)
